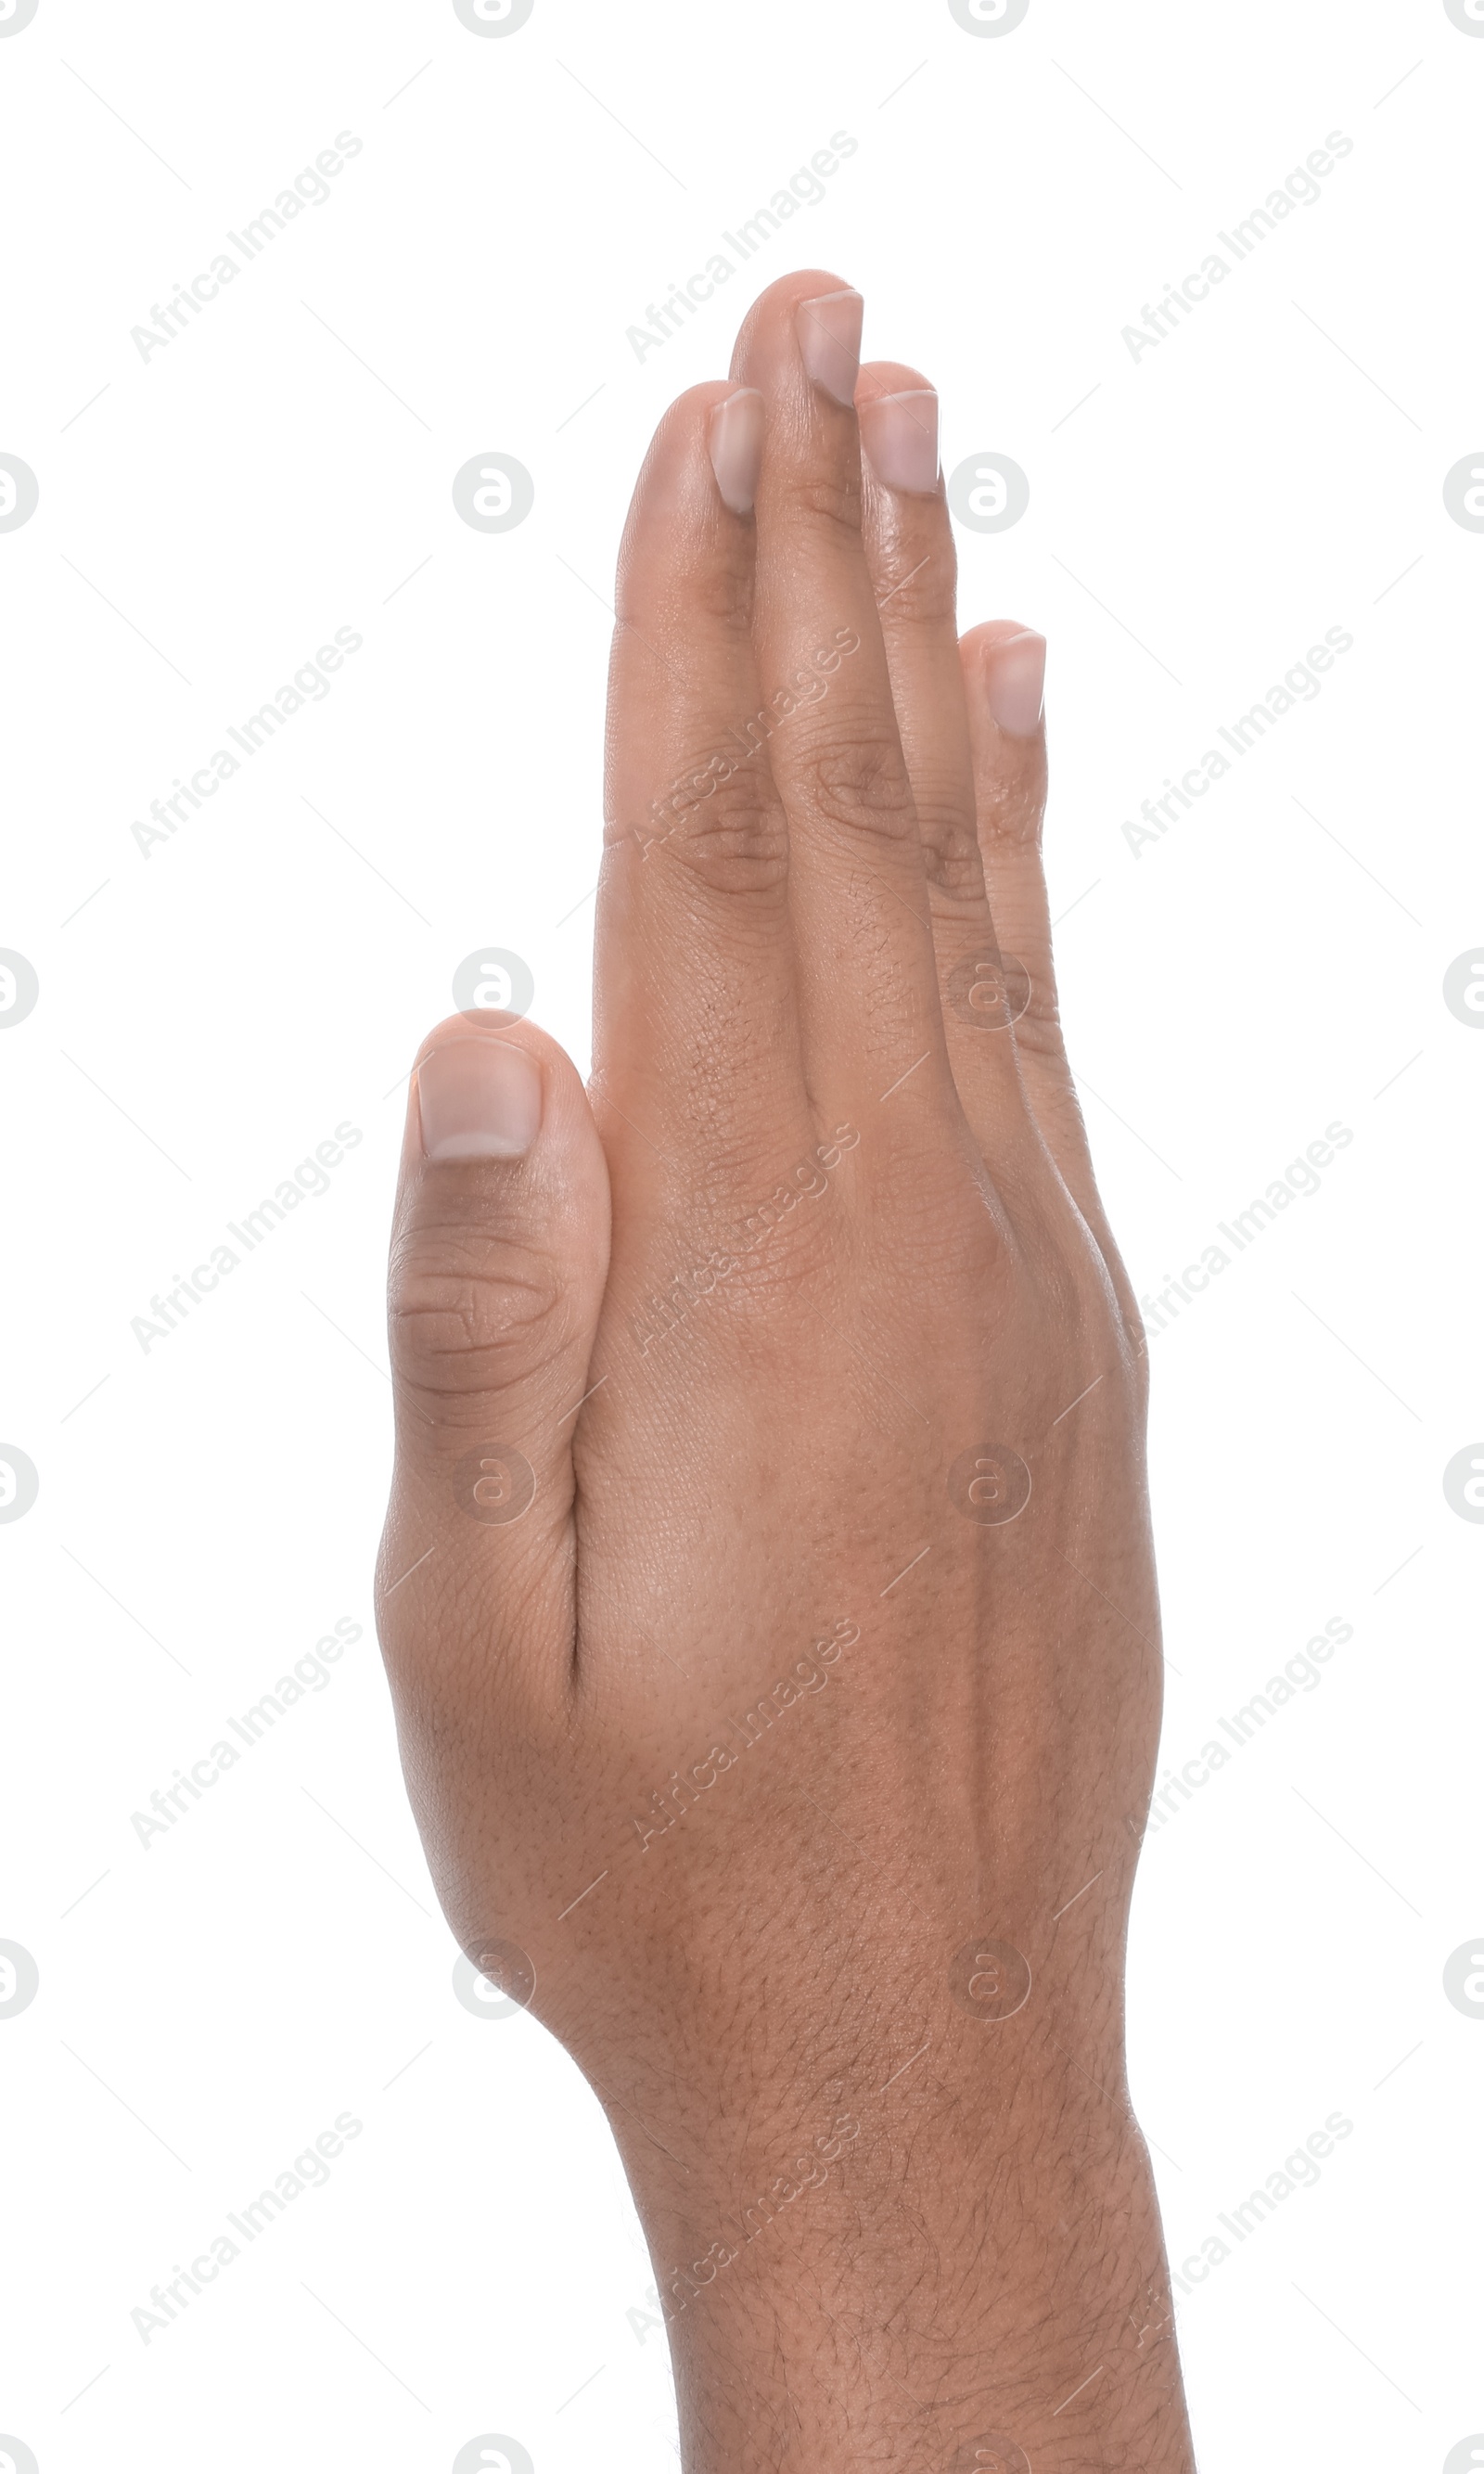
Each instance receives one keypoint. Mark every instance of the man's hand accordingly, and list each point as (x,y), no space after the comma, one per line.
(767,1589)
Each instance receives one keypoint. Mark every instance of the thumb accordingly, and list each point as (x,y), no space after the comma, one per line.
(499,1253)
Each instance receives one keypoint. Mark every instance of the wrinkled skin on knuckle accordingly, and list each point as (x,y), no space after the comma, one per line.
(1038,1029)
(950,846)
(790,1256)
(716,590)
(827,500)
(1012,810)
(851,776)
(918,593)
(735,839)
(466,1323)
(664,611)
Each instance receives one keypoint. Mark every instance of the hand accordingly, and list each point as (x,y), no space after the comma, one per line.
(767,1590)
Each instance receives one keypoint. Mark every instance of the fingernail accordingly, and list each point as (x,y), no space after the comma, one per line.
(1015,681)
(829,333)
(899,433)
(478,1099)
(735,439)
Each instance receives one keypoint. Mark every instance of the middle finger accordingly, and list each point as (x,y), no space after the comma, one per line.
(870,1019)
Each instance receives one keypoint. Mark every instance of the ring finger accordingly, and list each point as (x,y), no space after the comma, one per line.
(909,546)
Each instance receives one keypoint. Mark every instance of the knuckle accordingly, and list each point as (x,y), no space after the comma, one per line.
(1086,1303)
(917,593)
(466,1319)
(950,845)
(720,592)
(953,1228)
(735,839)
(703,598)
(854,777)
(1011,810)
(829,498)
(1038,1033)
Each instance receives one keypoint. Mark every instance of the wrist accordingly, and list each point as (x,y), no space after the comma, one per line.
(915,2281)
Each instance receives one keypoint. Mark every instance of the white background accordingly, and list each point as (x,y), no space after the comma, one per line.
(209,1014)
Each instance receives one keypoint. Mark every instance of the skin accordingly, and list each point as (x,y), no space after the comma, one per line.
(894,2221)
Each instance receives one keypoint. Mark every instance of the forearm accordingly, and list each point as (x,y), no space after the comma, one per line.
(897,2285)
